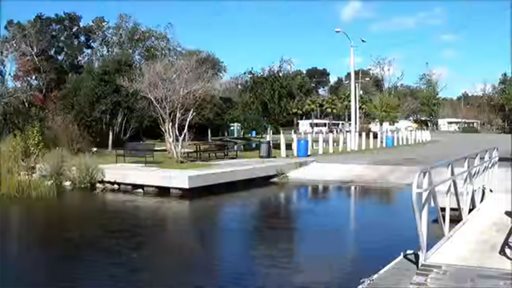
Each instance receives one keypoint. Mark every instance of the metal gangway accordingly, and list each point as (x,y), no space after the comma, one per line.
(460,184)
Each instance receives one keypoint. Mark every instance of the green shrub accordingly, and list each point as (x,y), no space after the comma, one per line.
(54,166)
(85,172)
(469,129)
(15,180)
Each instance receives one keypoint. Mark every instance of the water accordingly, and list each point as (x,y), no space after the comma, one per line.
(276,236)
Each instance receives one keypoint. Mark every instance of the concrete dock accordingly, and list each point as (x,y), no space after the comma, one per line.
(219,172)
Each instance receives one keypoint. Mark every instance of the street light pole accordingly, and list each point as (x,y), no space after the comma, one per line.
(352,89)
(352,95)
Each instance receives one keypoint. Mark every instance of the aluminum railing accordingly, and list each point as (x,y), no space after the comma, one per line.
(468,186)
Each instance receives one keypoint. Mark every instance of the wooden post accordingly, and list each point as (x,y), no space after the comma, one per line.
(371,140)
(331,143)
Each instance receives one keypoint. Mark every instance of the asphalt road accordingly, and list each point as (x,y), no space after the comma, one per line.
(444,146)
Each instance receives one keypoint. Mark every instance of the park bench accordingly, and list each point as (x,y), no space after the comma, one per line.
(218,150)
(136,150)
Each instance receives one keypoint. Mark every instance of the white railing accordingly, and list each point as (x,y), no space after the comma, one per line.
(467,185)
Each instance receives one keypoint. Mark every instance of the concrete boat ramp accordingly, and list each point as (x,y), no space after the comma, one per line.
(219,172)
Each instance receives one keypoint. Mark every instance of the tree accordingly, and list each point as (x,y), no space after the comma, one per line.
(174,87)
(100,105)
(384,108)
(46,50)
(319,78)
(127,35)
(429,101)
(504,92)
(270,93)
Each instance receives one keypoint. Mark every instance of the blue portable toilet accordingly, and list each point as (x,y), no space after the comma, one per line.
(302,147)
(253,133)
(389,141)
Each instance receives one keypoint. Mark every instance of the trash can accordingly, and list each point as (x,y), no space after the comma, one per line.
(302,147)
(265,149)
(389,141)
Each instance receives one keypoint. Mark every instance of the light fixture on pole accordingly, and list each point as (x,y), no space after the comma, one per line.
(354,111)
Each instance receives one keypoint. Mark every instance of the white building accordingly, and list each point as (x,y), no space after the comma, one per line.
(401,125)
(320,126)
(455,124)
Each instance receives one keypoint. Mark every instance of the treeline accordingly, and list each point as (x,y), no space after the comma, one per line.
(101,84)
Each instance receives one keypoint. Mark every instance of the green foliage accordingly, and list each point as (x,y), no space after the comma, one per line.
(318,77)
(429,101)
(85,172)
(97,102)
(29,145)
(15,181)
(384,108)
(270,93)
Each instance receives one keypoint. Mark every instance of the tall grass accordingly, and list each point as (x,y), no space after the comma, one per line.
(15,181)
(18,180)
(85,172)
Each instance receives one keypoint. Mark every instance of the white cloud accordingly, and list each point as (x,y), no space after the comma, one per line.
(449,53)
(432,17)
(440,72)
(355,9)
(448,37)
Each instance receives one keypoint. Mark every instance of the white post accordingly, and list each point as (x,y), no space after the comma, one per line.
(371,140)
(340,146)
(395,139)
(384,139)
(282,145)
(310,143)
(209,135)
(321,143)
(294,144)
(331,143)
(356,142)
(349,142)
(378,139)
(363,140)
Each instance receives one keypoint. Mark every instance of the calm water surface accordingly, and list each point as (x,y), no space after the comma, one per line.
(276,236)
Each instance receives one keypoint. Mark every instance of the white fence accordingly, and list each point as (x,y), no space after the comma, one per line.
(325,143)
(466,186)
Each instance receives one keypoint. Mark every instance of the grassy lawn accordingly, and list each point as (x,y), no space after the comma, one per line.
(161,161)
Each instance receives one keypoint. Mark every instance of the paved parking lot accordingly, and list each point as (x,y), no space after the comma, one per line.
(444,146)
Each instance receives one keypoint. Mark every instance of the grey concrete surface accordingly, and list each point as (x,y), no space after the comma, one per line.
(220,172)
(444,146)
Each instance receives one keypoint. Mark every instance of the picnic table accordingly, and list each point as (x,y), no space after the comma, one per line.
(219,150)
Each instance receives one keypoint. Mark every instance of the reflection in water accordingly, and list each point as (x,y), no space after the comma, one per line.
(326,235)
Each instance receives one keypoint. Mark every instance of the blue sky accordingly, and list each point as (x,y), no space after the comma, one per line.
(466,43)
